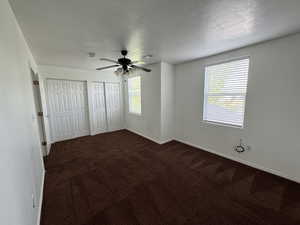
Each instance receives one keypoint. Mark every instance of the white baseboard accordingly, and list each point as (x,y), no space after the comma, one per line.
(48,149)
(147,137)
(95,132)
(166,141)
(41,200)
(242,161)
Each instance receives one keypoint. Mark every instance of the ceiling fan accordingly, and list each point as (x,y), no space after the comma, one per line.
(125,65)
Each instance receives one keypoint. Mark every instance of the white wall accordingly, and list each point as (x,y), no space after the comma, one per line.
(147,124)
(157,91)
(55,72)
(272,109)
(21,165)
(167,101)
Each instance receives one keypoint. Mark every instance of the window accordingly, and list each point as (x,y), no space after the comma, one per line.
(134,95)
(225,92)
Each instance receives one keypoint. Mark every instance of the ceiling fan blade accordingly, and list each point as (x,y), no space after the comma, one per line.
(141,68)
(137,62)
(108,60)
(107,67)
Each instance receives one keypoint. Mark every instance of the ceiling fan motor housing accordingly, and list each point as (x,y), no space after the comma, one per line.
(124,61)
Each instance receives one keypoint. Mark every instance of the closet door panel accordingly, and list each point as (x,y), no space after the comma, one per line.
(68,109)
(113,106)
(99,124)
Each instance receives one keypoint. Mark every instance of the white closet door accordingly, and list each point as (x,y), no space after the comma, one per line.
(99,123)
(113,106)
(68,109)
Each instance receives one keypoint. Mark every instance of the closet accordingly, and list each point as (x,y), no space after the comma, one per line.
(67,109)
(106,107)
(76,109)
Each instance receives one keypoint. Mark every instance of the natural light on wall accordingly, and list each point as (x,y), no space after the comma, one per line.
(134,95)
(225,92)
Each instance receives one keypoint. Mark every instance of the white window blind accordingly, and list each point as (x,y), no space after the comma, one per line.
(134,95)
(225,92)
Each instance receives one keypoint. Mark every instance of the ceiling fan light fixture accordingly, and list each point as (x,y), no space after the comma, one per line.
(119,72)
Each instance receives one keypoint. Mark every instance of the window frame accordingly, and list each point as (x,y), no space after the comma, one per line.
(205,91)
(128,95)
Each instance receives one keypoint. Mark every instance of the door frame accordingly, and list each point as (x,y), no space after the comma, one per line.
(37,99)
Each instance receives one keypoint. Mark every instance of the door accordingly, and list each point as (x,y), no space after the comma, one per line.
(113,106)
(99,122)
(68,109)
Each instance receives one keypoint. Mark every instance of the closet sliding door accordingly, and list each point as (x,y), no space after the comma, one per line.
(113,106)
(68,109)
(69,113)
(99,122)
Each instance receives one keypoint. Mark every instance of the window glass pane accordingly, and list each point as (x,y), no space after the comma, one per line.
(225,91)
(134,95)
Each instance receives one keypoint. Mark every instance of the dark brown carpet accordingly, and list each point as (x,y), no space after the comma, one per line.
(121,178)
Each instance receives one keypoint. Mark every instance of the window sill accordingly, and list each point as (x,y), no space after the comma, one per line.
(223,124)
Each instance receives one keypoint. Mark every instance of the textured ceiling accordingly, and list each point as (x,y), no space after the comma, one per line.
(62,32)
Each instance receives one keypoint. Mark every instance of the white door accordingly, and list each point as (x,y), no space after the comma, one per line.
(113,106)
(99,123)
(68,109)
